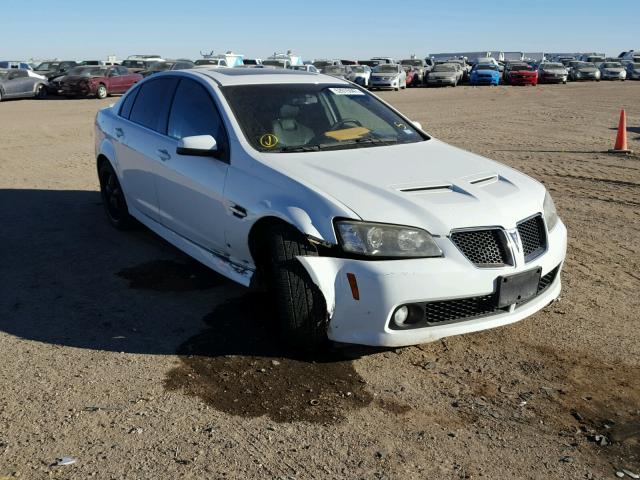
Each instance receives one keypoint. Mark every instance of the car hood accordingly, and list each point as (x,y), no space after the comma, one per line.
(443,74)
(486,72)
(523,72)
(390,74)
(428,184)
(557,71)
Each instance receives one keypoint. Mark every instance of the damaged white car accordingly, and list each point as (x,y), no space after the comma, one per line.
(364,228)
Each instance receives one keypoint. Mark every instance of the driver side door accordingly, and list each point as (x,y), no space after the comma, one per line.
(190,188)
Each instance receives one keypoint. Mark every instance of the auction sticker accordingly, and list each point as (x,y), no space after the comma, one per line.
(269,140)
(346,91)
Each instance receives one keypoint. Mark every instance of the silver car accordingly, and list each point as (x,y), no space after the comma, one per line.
(612,71)
(360,74)
(22,84)
(388,76)
(552,72)
(443,74)
(580,71)
(338,71)
(633,71)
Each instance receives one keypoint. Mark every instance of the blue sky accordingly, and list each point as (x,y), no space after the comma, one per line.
(328,28)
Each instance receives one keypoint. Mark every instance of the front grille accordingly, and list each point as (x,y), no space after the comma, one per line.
(547,280)
(458,310)
(533,237)
(461,309)
(484,248)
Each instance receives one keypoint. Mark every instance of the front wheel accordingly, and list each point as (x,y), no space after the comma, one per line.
(101,92)
(113,200)
(301,310)
(41,92)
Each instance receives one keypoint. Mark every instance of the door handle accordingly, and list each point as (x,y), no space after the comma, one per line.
(164,155)
(119,132)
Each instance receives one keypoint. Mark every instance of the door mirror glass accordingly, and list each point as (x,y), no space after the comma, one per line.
(198,145)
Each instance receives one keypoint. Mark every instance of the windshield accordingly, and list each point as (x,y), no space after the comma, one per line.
(612,65)
(413,63)
(87,72)
(386,68)
(486,66)
(552,65)
(358,69)
(444,68)
(48,66)
(521,66)
(274,63)
(312,117)
(334,70)
(134,64)
(160,66)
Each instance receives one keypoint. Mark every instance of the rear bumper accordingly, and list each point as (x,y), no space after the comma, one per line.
(386,285)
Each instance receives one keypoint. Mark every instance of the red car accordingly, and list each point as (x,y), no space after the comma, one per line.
(97,81)
(520,74)
(413,80)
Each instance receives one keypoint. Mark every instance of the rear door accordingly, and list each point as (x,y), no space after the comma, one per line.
(18,84)
(114,80)
(140,141)
(127,79)
(190,188)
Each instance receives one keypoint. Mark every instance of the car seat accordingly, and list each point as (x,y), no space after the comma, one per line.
(288,130)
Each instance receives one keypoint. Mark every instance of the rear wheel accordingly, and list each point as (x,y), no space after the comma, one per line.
(102,92)
(301,310)
(113,201)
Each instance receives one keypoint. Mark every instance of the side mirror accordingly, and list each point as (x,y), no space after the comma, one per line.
(199,146)
(418,125)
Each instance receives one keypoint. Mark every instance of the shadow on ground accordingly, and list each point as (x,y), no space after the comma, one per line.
(70,279)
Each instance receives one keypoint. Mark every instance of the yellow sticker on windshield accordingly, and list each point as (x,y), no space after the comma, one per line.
(347,133)
(268,140)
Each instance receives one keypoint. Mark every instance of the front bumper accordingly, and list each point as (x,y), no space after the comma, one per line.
(441,81)
(553,79)
(484,81)
(79,90)
(612,76)
(386,285)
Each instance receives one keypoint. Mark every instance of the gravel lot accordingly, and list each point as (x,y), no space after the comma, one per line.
(119,351)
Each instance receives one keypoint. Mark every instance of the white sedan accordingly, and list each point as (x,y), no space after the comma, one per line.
(364,228)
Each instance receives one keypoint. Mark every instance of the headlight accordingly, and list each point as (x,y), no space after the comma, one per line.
(385,241)
(550,213)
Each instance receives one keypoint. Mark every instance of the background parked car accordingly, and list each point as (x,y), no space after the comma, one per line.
(388,76)
(305,68)
(323,62)
(54,69)
(15,64)
(612,71)
(157,67)
(633,71)
(520,74)
(21,83)
(418,66)
(137,65)
(552,72)
(360,74)
(97,81)
(579,71)
(485,73)
(338,71)
(213,62)
(443,74)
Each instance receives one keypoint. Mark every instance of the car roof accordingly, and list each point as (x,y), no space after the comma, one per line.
(256,76)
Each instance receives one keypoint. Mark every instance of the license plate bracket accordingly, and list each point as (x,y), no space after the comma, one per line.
(518,288)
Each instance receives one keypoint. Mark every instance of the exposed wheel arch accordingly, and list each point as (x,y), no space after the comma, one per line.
(258,246)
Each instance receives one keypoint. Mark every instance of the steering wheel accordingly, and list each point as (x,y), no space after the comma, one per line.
(344,124)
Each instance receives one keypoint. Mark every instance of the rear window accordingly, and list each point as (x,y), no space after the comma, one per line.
(151,106)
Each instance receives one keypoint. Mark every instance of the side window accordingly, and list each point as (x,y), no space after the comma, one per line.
(151,106)
(123,71)
(127,103)
(113,72)
(194,113)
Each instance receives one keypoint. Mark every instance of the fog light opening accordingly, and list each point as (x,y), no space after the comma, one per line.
(407,316)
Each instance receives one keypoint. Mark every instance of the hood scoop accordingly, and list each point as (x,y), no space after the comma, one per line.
(442,187)
(483,179)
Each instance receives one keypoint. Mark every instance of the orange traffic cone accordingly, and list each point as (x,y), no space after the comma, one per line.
(621,139)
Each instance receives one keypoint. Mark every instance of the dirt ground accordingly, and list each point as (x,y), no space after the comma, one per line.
(119,351)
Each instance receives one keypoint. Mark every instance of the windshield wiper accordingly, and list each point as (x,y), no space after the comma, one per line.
(300,148)
(358,142)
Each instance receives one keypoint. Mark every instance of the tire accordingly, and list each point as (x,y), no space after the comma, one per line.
(41,92)
(300,307)
(0,95)
(101,92)
(113,200)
